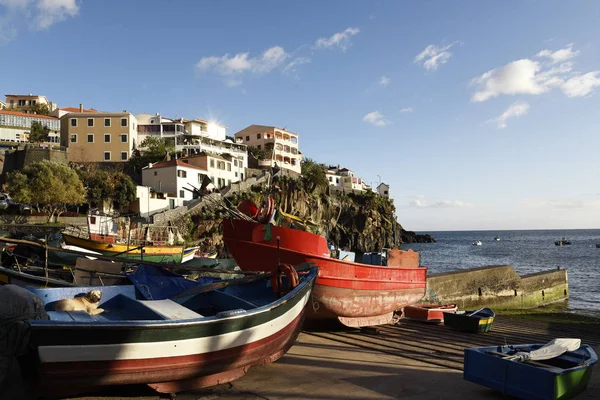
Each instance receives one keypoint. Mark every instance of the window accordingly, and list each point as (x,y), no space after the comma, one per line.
(229,182)
(22,103)
(107,156)
(228,166)
(331,179)
(123,156)
(236,174)
(182,174)
(106,121)
(258,135)
(123,121)
(124,138)
(182,194)
(33,102)
(155,173)
(212,163)
(90,138)
(73,138)
(235,163)
(107,138)
(293,161)
(247,138)
(90,121)
(258,147)
(73,121)
(385,192)
(337,180)
(93,220)
(200,178)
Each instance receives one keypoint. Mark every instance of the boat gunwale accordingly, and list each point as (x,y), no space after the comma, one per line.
(53,324)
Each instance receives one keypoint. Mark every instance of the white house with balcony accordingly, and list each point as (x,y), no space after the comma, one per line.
(333,176)
(280,143)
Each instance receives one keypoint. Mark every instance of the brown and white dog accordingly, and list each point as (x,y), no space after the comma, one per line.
(88,303)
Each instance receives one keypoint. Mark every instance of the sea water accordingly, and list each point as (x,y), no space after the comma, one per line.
(526,251)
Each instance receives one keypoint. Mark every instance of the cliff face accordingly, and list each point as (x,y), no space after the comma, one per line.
(360,222)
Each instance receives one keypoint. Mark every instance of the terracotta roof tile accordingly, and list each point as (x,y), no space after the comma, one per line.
(75,109)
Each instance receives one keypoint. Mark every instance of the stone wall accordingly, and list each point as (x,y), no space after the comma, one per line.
(497,287)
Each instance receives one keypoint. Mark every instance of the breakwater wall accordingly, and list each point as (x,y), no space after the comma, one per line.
(497,286)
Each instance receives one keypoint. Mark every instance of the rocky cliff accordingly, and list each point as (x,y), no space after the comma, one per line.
(360,222)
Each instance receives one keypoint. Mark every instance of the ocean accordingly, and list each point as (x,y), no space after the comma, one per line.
(526,251)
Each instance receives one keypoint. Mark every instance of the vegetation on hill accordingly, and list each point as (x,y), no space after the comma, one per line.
(39,133)
(104,185)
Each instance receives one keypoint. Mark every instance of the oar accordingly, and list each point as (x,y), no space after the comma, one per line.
(512,358)
(475,312)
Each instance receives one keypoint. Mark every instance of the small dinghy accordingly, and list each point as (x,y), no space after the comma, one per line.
(429,312)
(471,321)
(560,369)
(168,332)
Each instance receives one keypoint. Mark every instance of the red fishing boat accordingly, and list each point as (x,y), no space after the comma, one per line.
(357,294)
(429,312)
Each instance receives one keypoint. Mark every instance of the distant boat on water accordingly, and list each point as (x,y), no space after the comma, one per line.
(562,242)
(477,243)
(497,238)
(598,245)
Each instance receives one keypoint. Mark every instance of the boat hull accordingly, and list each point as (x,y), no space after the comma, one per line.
(356,294)
(165,254)
(429,313)
(168,355)
(563,377)
(479,323)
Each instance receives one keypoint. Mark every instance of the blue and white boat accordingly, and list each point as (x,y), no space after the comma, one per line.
(166,331)
(560,369)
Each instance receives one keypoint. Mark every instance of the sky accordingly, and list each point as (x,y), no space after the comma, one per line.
(479,115)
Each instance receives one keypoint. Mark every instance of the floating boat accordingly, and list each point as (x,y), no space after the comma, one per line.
(598,245)
(355,294)
(429,312)
(562,242)
(155,253)
(206,335)
(189,254)
(471,321)
(477,243)
(497,238)
(558,370)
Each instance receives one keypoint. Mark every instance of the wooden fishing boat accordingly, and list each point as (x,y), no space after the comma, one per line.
(356,294)
(155,253)
(429,312)
(471,321)
(189,254)
(207,335)
(517,371)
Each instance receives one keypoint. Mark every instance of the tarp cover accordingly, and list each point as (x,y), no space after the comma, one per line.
(553,349)
(156,283)
(17,307)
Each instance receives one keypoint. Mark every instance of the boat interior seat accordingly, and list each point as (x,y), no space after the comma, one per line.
(219,300)
(170,309)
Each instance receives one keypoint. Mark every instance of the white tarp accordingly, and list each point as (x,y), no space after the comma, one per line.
(553,349)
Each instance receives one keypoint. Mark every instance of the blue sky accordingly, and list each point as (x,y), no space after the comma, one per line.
(480,115)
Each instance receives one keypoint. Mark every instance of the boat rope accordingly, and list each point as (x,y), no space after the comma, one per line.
(315,303)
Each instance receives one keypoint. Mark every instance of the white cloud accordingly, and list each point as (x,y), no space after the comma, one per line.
(36,14)
(340,40)
(376,118)
(295,62)
(581,85)
(563,203)
(233,68)
(406,110)
(515,110)
(559,55)
(433,56)
(530,77)
(384,81)
(422,202)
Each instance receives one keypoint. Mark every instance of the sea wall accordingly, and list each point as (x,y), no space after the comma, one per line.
(497,286)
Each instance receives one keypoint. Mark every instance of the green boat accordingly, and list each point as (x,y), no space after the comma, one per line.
(478,321)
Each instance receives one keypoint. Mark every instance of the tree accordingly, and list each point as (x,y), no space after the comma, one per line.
(114,186)
(313,175)
(260,154)
(152,149)
(39,133)
(48,186)
(40,109)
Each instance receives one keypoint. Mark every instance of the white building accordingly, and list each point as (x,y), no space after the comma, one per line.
(2,105)
(171,177)
(202,128)
(383,190)
(15,126)
(149,202)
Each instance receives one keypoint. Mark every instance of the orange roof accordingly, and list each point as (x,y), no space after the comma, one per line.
(21,114)
(173,163)
(74,109)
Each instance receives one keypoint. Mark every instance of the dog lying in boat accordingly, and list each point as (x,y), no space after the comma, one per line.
(88,303)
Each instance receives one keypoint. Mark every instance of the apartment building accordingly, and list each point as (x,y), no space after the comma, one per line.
(281,145)
(172,178)
(26,102)
(99,136)
(2,105)
(15,126)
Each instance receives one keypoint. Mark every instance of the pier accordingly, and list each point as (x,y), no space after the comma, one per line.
(410,360)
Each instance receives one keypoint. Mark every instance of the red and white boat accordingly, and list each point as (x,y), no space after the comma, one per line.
(429,312)
(356,294)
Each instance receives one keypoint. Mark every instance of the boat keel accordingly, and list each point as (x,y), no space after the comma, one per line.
(357,322)
(199,382)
